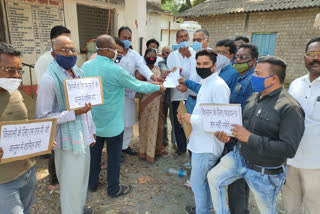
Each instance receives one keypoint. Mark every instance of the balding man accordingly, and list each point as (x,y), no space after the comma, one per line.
(109,116)
(75,130)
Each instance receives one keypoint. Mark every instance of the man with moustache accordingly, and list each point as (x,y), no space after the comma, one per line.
(301,190)
(17,178)
(75,131)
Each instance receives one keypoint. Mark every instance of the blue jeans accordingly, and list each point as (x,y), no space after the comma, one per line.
(265,188)
(201,164)
(114,149)
(16,196)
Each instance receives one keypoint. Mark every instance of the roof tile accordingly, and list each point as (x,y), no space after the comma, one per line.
(219,7)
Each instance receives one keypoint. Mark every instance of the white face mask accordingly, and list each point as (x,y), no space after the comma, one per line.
(10,84)
(115,55)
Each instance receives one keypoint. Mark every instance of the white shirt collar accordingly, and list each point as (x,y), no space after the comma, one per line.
(307,78)
(212,76)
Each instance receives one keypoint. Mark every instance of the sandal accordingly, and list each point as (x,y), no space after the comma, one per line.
(54,189)
(124,190)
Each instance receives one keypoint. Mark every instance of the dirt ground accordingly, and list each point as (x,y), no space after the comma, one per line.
(163,194)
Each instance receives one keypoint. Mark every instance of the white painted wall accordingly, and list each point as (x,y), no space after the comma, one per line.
(134,15)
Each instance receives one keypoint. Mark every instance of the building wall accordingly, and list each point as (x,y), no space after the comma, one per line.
(293,27)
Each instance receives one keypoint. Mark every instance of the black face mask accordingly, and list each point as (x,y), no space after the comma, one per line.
(151,60)
(204,72)
(118,59)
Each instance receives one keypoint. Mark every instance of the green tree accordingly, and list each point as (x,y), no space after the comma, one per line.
(196,2)
(172,6)
(177,6)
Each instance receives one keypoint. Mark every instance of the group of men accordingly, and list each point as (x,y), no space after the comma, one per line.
(277,128)
(277,125)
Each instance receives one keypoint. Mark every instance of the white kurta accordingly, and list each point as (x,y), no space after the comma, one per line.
(132,62)
(42,64)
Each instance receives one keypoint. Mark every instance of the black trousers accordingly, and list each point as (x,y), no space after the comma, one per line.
(52,170)
(114,149)
(178,130)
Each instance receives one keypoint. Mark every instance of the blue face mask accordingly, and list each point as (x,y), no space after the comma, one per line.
(127,43)
(258,83)
(197,46)
(67,62)
(183,44)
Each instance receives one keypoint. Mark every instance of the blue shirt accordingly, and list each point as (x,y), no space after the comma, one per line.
(243,89)
(108,117)
(227,73)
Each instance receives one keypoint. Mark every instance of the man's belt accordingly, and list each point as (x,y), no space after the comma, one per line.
(193,97)
(275,171)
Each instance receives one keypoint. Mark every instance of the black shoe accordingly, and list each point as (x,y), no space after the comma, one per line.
(129,151)
(189,210)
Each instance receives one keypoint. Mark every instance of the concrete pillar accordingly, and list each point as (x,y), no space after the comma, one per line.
(71,20)
(136,18)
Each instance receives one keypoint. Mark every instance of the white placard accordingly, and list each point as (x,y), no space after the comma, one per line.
(83,90)
(219,117)
(172,80)
(26,138)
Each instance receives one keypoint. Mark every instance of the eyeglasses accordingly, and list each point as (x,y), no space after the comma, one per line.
(199,40)
(67,50)
(12,71)
(313,54)
(244,56)
(223,52)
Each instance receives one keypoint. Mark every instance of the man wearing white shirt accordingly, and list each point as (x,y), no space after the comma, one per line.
(205,148)
(40,67)
(302,188)
(184,60)
(131,61)
(75,131)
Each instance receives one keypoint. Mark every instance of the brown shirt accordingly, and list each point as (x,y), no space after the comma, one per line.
(12,107)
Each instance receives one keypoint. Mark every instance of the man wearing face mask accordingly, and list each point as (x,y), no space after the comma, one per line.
(75,131)
(226,51)
(244,63)
(201,40)
(301,190)
(131,61)
(40,67)
(18,178)
(273,125)
(205,148)
(184,60)
(42,63)
(109,117)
